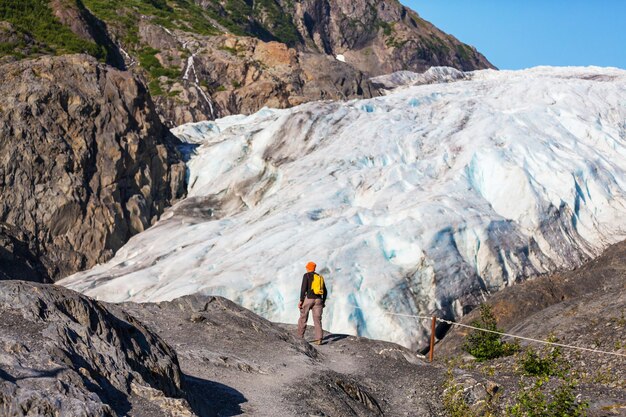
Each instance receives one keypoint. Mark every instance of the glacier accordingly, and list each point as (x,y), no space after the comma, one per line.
(418,202)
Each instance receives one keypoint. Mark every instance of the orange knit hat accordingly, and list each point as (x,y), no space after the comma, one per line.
(310,267)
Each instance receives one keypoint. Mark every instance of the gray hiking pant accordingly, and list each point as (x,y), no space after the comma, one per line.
(314,304)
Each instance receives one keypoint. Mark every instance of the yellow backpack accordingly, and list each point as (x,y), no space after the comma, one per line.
(317,286)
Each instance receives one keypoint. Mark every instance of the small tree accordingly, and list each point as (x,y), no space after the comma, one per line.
(486,345)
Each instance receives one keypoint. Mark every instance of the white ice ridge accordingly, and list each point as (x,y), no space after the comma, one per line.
(421,201)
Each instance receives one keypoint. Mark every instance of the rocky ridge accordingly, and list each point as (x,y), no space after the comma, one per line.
(85,164)
(61,352)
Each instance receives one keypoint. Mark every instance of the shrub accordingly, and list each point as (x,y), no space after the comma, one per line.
(532,401)
(547,363)
(486,345)
(455,401)
(155,88)
(149,61)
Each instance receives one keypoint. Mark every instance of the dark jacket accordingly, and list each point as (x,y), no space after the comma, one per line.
(305,290)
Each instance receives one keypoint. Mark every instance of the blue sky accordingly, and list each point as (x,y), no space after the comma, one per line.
(516,34)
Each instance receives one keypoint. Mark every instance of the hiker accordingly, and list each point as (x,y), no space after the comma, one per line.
(312,297)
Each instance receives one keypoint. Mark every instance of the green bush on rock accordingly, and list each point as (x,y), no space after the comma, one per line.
(484,345)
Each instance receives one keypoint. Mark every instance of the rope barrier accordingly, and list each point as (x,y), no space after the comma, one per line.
(530,339)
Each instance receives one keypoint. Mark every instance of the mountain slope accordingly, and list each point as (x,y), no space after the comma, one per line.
(422,201)
(380,36)
(209,58)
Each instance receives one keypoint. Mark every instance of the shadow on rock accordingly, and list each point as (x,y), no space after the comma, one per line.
(212,399)
(332,338)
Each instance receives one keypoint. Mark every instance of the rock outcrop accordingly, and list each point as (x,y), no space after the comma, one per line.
(64,354)
(85,163)
(228,74)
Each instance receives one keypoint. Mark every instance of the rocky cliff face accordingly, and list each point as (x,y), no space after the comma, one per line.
(85,163)
(379,36)
(231,75)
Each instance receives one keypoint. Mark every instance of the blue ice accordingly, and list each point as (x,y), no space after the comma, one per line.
(356,316)
(388,254)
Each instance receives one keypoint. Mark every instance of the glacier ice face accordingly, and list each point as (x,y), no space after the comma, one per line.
(418,202)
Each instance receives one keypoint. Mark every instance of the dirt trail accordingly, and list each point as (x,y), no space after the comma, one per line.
(241,364)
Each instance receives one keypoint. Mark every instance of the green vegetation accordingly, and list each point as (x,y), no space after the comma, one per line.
(265,19)
(232,51)
(147,58)
(547,388)
(464,52)
(16,48)
(154,68)
(437,45)
(173,14)
(486,345)
(35,18)
(270,22)
(394,43)
(155,88)
(547,363)
(533,401)
(455,405)
(387,28)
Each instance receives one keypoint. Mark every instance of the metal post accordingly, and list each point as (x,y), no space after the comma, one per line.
(431,354)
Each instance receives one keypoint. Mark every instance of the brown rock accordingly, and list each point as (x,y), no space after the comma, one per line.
(274,54)
(84,163)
